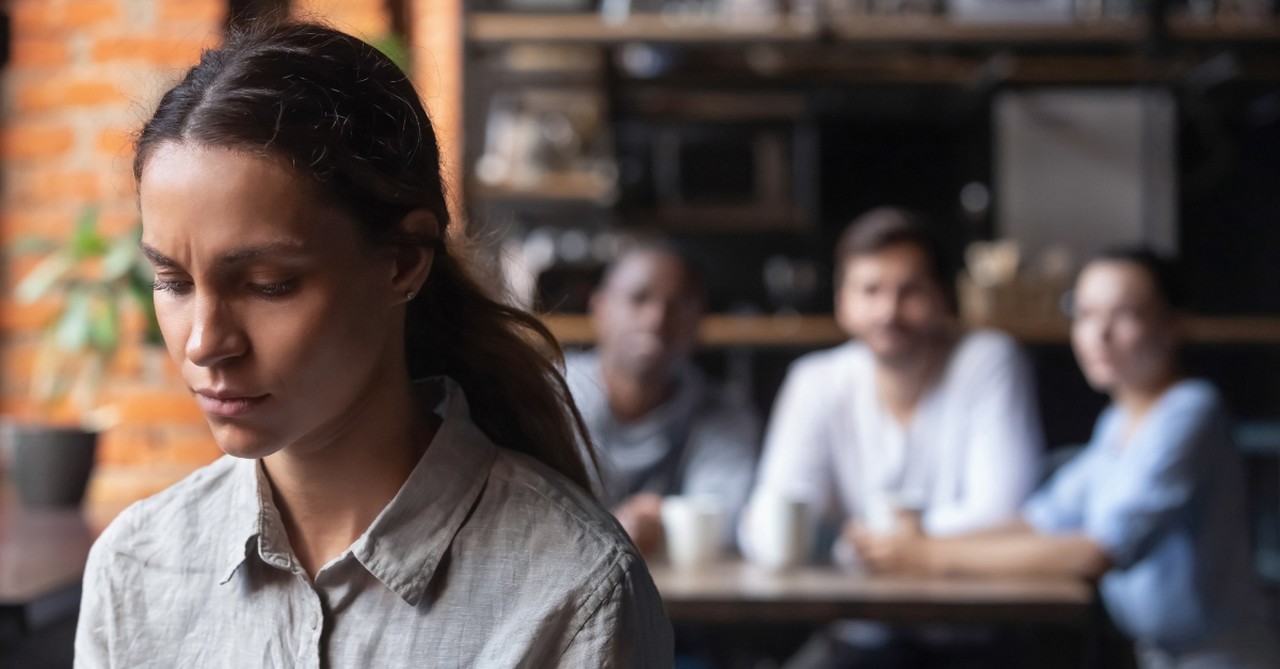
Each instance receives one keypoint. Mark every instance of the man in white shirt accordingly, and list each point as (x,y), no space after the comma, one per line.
(660,426)
(914,420)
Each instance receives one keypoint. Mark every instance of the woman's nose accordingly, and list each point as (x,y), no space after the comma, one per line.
(215,334)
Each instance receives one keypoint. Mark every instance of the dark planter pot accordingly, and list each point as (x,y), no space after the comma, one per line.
(51,466)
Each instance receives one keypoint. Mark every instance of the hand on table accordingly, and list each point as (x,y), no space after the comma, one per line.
(905,549)
(641,516)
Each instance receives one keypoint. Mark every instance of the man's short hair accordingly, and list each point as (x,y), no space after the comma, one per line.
(886,227)
(643,243)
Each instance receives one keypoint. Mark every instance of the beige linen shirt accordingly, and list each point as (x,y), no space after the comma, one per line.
(485,558)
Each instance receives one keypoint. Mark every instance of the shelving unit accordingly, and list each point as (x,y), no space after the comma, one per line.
(808,331)
(591,28)
(863,50)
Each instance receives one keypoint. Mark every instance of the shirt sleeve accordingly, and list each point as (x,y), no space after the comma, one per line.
(95,629)
(1059,506)
(1004,444)
(629,627)
(1169,456)
(796,462)
(722,461)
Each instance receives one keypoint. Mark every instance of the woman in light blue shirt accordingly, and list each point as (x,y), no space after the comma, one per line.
(1154,506)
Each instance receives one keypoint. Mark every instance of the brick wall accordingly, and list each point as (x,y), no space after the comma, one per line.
(82,77)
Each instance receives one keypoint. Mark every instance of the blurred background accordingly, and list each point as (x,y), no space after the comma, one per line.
(1031,132)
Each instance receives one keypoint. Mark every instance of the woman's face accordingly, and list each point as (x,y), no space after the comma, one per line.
(282,318)
(1122,331)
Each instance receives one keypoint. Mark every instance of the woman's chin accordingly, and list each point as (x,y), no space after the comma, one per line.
(240,445)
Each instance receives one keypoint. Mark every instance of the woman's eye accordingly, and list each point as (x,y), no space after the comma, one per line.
(279,289)
(161,285)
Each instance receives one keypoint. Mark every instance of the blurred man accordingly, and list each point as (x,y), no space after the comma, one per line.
(660,427)
(914,422)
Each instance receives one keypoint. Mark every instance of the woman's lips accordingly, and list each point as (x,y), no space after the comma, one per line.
(227,406)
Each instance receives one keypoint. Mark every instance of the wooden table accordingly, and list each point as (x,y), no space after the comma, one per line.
(734,592)
(42,558)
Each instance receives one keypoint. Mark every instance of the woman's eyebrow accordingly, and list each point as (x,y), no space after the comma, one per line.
(157,258)
(247,253)
(233,257)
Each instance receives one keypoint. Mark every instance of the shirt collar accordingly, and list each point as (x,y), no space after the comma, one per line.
(245,513)
(405,543)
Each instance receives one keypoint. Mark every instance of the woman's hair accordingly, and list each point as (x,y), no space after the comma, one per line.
(1163,272)
(886,227)
(350,122)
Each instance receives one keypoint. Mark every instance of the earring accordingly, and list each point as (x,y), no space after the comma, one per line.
(409,296)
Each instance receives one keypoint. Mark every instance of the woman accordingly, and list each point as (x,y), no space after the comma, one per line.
(1153,507)
(402,486)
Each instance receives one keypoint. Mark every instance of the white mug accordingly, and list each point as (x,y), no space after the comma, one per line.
(694,529)
(782,530)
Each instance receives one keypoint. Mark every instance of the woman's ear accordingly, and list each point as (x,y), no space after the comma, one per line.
(413,261)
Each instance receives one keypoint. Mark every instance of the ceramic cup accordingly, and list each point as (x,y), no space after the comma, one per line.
(694,530)
(782,530)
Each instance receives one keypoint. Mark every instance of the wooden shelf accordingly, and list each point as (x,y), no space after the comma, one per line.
(1224,30)
(554,188)
(718,330)
(590,28)
(941,30)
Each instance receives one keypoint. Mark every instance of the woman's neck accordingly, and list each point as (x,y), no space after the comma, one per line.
(330,489)
(1136,401)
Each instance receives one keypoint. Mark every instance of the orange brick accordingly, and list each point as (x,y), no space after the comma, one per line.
(48,95)
(127,445)
(46,16)
(86,13)
(19,361)
(35,16)
(31,141)
(27,223)
(161,51)
(53,185)
(158,406)
(116,142)
(17,316)
(33,52)
(206,12)
(364,18)
(25,408)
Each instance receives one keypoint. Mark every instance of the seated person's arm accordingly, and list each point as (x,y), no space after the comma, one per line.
(1013,550)
(1002,451)
(795,463)
(641,517)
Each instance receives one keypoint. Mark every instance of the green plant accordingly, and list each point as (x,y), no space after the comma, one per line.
(93,278)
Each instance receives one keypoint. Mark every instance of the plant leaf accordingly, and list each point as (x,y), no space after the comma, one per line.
(142,285)
(86,241)
(104,325)
(42,278)
(121,258)
(71,332)
(29,244)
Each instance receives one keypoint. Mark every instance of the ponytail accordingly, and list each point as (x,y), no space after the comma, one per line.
(505,360)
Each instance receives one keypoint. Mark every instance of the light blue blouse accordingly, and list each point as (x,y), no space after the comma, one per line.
(1169,511)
